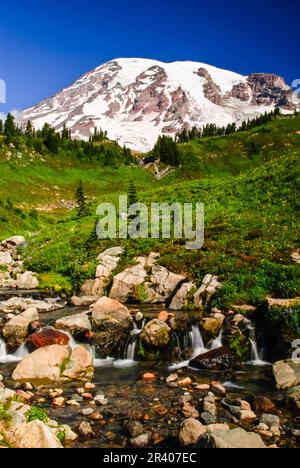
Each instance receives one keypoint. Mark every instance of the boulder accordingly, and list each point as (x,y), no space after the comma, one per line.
(27,280)
(14,242)
(190,432)
(231,438)
(80,363)
(5,258)
(107,310)
(262,404)
(180,299)
(125,284)
(92,288)
(296,256)
(284,375)
(75,324)
(35,434)
(216,359)
(284,303)
(54,364)
(156,333)
(16,330)
(20,304)
(292,398)
(165,282)
(210,285)
(82,301)
(108,262)
(149,261)
(48,337)
(212,325)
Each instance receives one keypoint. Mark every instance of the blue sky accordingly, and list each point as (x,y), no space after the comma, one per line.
(46,45)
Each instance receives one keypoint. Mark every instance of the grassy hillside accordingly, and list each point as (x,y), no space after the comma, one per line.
(252,219)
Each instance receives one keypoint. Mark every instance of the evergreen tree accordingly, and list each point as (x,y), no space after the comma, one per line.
(1,127)
(132,193)
(81,201)
(29,129)
(9,128)
(65,134)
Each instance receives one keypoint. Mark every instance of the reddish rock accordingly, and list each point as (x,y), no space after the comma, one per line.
(148,377)
(163,316)
(49,337)
(262,404)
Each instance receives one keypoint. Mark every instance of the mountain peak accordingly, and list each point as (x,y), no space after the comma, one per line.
(135,100)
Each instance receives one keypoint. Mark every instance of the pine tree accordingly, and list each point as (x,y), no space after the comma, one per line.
(65,133)
(81,201)
(9,128)
(132,193)
(1,127)
(29,129)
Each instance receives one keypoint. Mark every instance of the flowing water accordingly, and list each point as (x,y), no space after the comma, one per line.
(256,358)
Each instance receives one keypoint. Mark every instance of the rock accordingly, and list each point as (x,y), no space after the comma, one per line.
(284,375)
(125,284)
(100,400)
(209,404)
(14,242)
(216,359)
(54,363)
(212,326)
(156,333)
(164,281)
(35,434)
(180,299)
(185,382)
(203,388)
(262,404)
(108,262)
(59,402)
(148,377)
(163,316)
(284,303)
(208,418)
(172,378)
(48,337)
(189,411)
(133,429)
(75,324)
(272,422)
(80,364)
(82,301)
(27,281)
(85,429)
(16,330)
(70,436)
(210,285)
(292,398)
(5,258)
(190,432)
(107,310)
(20,304)
(148,262)
(93,288)
(240,409)
(296,256)
(141,441)
(217,388)
(234,438)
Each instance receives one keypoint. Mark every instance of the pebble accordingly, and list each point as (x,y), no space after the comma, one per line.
(72,403)
(89,386)
(148,377)
(172,378)
(85,429)
(87,411)
(100,400)
(185,382)
(60,401)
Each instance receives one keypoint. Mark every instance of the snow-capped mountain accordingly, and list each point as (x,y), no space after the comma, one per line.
(136,100)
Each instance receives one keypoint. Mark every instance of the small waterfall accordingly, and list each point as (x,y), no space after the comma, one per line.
(217,342)
(255,354)
(6,358)
(72,342)
(135,332)
(196,340)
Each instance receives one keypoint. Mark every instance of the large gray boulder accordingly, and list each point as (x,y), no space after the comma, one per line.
(180,299)
(156,333)
(78,323)
(231,439)
(27,280)
(286,374)
(210,285)
(16,330)
(35,434)
(165,282)
(125,284)
(5,258)
(55,363)
(110,311)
